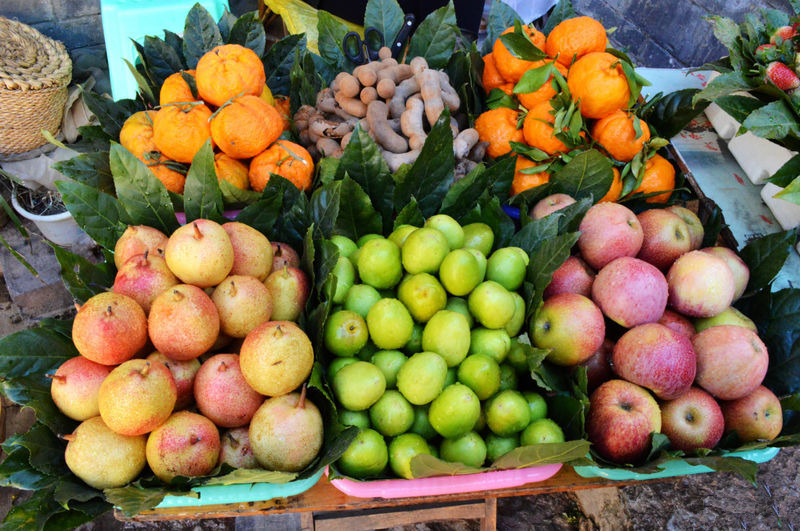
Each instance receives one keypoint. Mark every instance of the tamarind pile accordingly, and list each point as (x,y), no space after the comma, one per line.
(396,104)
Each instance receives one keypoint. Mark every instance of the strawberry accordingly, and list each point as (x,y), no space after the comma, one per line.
(784,32)
(766,53)
(782,76)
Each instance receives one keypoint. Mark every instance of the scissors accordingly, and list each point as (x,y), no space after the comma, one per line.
(361,51)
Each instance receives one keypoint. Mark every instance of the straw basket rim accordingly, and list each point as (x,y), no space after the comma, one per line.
(30,60)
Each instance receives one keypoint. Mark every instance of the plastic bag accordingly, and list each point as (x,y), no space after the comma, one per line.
(300,17)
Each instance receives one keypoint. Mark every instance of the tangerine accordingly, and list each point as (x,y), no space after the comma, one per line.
(543,93)
(498,127)
(615,189)
(573,38)
(176,90)
(598,81)
(283,107)
(526,181)
(510,67)
(617,134)
(228,71)
(180,131)
(136,136)
(538,129)
(659,175)
(231,170)
(172,180)
(245,126)
(284,158)
(492,78)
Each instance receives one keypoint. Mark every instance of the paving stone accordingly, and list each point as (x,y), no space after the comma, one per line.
(76,32)
(65,9)
(27,11)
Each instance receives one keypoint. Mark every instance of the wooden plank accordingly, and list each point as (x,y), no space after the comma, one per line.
(307,521)
(399,516)
(489,522)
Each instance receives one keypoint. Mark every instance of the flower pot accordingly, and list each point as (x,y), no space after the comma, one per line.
(60,228)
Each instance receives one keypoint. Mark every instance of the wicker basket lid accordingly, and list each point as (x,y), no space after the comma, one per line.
(30,60)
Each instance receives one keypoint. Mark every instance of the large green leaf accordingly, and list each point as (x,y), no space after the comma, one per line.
(252,475)
(33,513)
(325,205)
(501,17)
(465,70)
(16,471)
(262,214)
(112,114)
(46,451)
(777,318)
(774,120)
(97,213)
(236,197)
(787,173)
(489,211)
(425,466)
(722,86)
(278,62)
(465,192)
(561,12)
(588,174)
(133,498)
(331,32)
(202,198)
(669,115)
(543,454)
(34,392)
(200,36)
(356,216)
(739,107)
(410,215)
(765,257)
(435,38)
(82,278)
(536,232)
(91,169)
(34,351)
(141,194)
(162,60)
(248,31)
(519,44)
(385,16)
(546,257)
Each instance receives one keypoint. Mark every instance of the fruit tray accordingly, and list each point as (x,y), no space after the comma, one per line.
(670,468)
(244,493)
(437,486)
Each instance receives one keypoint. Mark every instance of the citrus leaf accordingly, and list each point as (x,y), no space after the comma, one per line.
(133,499)
(669,115)
(497,98)
(466,191)
(787,173)
(91,169)
(410,215)
(34,351)
(82,278)
(202,198)
(97,213)
(386,16)
(262,214)
(739,107)
(722,86)
(520,45)
(16,471)
(774,120)
(776,320)
(80,513)
(225,23)
(111,114)
(426,466)
(33,513)
(501,17)
(357,216)
(161,59)
(34,392)
(248,31)
(45,450)
(561,12)
(251,475)
(535,233)
(236,197)
(543,454)
(200,35)
(278,62)
(331,32)
(588,174)
(67,491)
(570,216)
(765,257)
(791,192)
(743,467)
(435,37)
(534,78)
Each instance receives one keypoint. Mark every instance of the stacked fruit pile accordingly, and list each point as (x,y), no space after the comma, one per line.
(706,373)
(207,288)
(574,94)
(426,349)
(226,101)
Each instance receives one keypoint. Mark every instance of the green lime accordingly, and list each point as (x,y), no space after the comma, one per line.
(389,362)
(423,296)
(457,304)
(522,254)
(379,264)
(402,449)
(354,257)
(337,364)
(392,414)
(414,344)
(491,304)
(481,262)
(541,431)
(492,343)
(447,334)
(345,276)
(399,235)
(359,385)
(479,236)
(508,413)
(424,250)
(508,377)
(421,378)
(480,373)
(537,405)
(360,299)
(455,411)
(518,357)
(497,446)
(421,424)
(468,449)
(366,353)
(345,333)
(346,245)
(366,456)
(507,268)
(460,272)
(359,419)
(449,227)
(514,325)
(452,376)
(367,237)
(390,325)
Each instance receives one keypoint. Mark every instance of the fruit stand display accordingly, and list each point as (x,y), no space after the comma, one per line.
(424,272)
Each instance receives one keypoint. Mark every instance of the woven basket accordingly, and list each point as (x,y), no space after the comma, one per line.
(34,73)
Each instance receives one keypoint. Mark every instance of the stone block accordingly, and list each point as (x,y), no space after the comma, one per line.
(75,33)
(67,9)
(27,11)
(653,55)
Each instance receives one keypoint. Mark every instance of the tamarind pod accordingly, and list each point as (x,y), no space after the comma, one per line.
(463,167)
(449,94)
(323,94)
(366,76)
(403,72)
(394,123)
(377,117)
(346,139)
(397,105)
(395,160)
(328,105)
(329,129)
(364,125)
(411,122)
(418,64)
(351,106)
(431,94)
(385,88)
(368,94)
(304,138)
(464,142)
(329,147)
(348,86)
(478,152)
(385,53)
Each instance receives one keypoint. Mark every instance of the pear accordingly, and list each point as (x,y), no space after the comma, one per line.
(76,385)
(143,278)
(200,253)
(183,322)
(243,303)
(109,328)
(136,397)
(137,239)
(276,357)
(222,394)
(102,458)
(187,444)
(236,450)
(289,288)
(183,372)
(252,252)
(286,432)
(284,255)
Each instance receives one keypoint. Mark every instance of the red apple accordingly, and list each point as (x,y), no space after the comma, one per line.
(693,420)
(609,231)
(677,322)
(755,417)
(550,204)
(573,276)
(700,284)
(598,367)
(696,230)
(731,361)
(569,324)
(741,273)
(656,357)
(666,237)
(621,418)
(630,291)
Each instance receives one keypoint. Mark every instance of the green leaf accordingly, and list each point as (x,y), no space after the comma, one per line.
(777,326)
(501,174)
(521,47)
(236,197)
(725,30)
(161,59)
(435,38)
(363,162)
(743,467)
(67,491)
(588,174)
(279,59)
(562,11)
(465,192)
(202,198)
(722,86)
(82,278)
(787,173)
(534,78)
(545,259)
(46,451)
(432,173)
(141,194)
(426,466)
(81,513)
(570,216)
(535,233)
(252,475)
(497,98)
(791,192)
(225,23)
(501,17)
(543,454)
(282,213)
(774,120)
(91,169)
(32,513)
(739,107)
(112,114)
(133,499)
(356,217)
(144,84)
(465,70)
(765,257)
(385,16)
(248,31)
(16,471)
(262,214)
(304,82)
(331,33)
(669,115)
(34,352)
(410,215)
(34,392)
(200,35)
(97,213)
(325,207)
